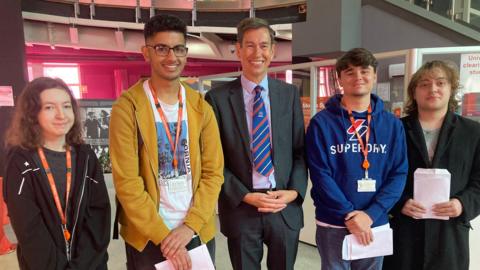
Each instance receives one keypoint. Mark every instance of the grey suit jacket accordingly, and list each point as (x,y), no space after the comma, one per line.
(288,150)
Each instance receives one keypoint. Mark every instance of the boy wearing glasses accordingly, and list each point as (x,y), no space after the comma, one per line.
(166,155)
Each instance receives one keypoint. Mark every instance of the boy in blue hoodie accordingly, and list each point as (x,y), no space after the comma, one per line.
(357,157)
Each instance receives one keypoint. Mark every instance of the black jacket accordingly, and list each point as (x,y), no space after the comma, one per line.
(287,131)
(36,222)
(439,244)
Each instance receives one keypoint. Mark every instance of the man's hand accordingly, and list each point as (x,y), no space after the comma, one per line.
(267,203)
(358,223)
(176,241)
(181,260)
(285,196)
(452,208)
(413,209)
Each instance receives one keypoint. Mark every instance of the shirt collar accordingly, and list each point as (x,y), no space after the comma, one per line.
(248,85)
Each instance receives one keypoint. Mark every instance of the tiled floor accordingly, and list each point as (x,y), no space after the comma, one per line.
(307,258)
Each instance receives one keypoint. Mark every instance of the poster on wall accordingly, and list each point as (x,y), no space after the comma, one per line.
(6,96)
(383,90)
(95,117)
(306,108)
(470,84)
(397,109)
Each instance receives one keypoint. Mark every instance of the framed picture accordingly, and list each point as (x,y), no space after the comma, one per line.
(95,117)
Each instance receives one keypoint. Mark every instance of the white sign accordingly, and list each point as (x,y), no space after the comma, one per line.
(6,96)
(470,73)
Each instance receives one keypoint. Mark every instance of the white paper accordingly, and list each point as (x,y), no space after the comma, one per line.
(431,186)
(382,245)
(200,260)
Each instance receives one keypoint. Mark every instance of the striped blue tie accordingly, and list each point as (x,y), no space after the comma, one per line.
(262,160)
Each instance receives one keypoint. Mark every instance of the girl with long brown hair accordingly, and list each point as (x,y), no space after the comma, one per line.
(54,186)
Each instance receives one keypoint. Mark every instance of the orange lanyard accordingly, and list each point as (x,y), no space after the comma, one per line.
(173,144)
(53,188)
(364,146)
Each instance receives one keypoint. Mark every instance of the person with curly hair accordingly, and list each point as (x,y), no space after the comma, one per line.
(437,138)
(54,187)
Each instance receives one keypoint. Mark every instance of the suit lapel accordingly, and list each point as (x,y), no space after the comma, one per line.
(415,133)
(238,109)
(275,107)
(444,138)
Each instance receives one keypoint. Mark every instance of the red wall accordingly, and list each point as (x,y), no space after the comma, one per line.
(100,78)
(103,74)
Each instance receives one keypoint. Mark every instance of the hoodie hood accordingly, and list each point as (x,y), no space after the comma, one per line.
(334,105)
(334,157)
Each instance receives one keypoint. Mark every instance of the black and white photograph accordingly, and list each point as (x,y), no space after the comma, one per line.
(95,115)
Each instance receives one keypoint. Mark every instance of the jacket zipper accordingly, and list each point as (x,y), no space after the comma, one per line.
(69,255)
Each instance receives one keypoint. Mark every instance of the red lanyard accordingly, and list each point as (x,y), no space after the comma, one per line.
(364,146)
(53,187)
(173,144)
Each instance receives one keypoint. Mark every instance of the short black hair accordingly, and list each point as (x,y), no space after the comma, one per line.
(253,23)
(357,57)
(164,23)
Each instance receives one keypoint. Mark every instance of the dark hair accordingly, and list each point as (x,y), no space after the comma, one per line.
(164,23)
(357,57)
(24,130)
(452,78)
(253,23)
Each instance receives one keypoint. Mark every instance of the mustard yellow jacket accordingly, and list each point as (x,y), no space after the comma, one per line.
(135,170)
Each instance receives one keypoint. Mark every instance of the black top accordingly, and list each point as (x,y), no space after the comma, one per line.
(57,161)
(430,243)
(35,220)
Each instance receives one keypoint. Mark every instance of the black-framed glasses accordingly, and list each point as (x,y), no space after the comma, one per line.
(164,50)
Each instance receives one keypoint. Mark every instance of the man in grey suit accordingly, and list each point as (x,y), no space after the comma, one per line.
(262,133)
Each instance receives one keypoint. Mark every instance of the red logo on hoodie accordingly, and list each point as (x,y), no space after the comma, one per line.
(359,127)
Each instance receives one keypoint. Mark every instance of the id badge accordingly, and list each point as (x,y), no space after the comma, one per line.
(178,184)
(366,185)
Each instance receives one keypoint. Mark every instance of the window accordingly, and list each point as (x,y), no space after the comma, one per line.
(30,72)
(69,73)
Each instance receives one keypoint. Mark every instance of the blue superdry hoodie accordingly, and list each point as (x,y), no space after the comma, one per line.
(335,161)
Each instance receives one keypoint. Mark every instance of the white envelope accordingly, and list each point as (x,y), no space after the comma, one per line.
(431,186)
(200,260)
(382,245)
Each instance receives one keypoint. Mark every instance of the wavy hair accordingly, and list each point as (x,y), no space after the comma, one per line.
(24,130)
(411,106)
(164,23)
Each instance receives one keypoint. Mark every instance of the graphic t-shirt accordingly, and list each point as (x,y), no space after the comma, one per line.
(175,193)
